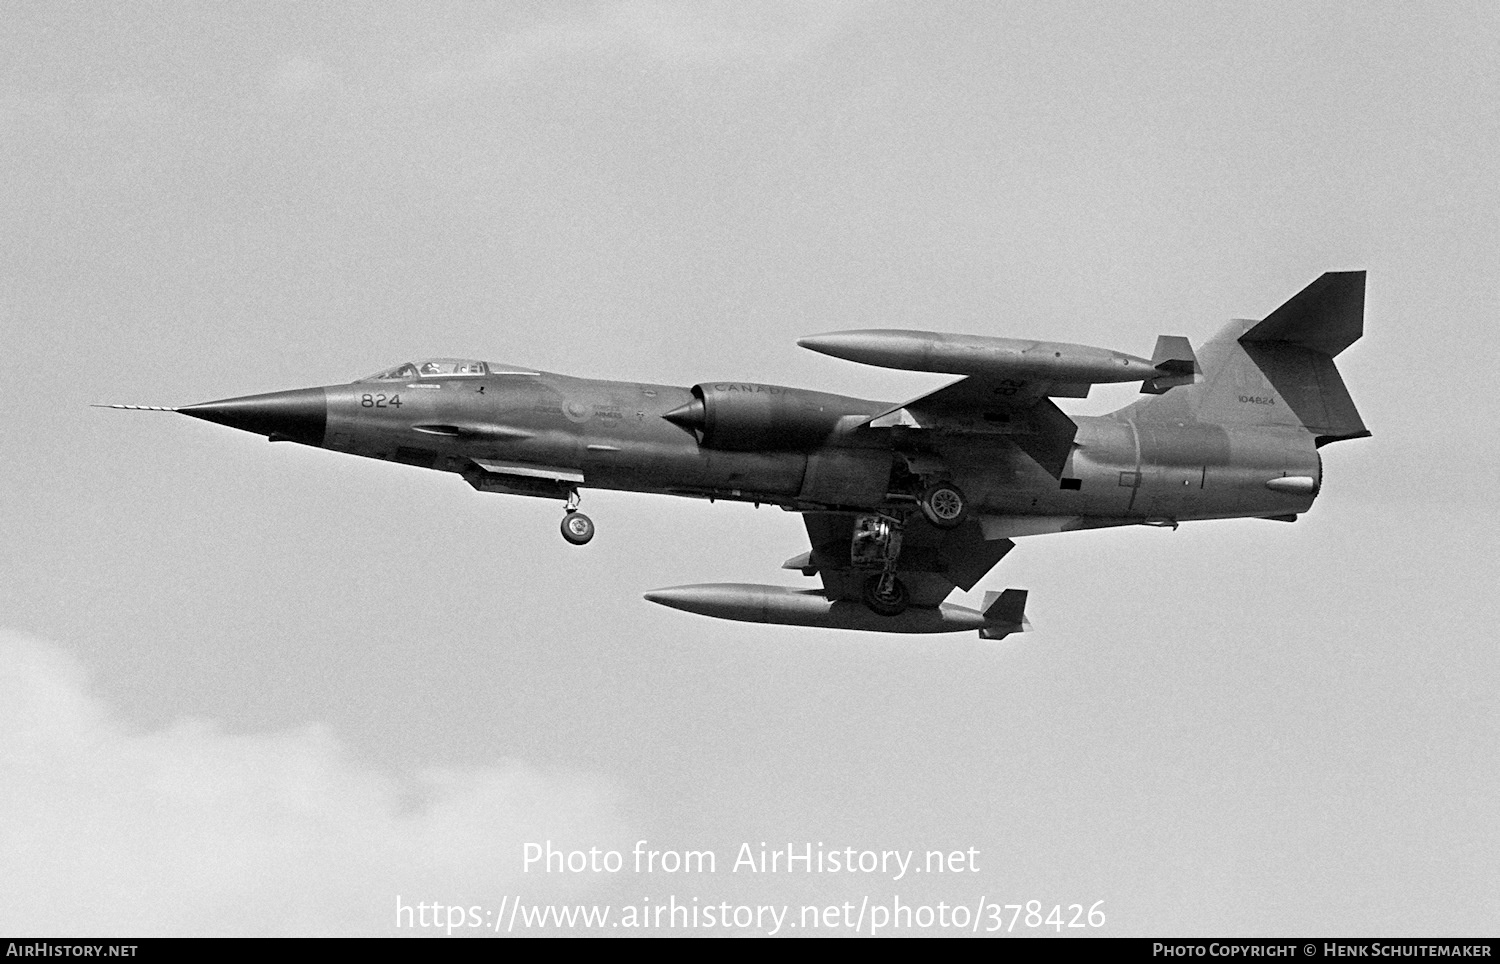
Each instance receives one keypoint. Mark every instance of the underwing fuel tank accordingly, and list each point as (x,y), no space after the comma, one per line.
(750,603)
(932,351)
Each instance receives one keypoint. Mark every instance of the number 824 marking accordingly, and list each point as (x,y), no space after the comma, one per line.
(379,401)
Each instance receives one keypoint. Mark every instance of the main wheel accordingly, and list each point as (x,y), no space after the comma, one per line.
(944,505)
(890,603)
(577,528)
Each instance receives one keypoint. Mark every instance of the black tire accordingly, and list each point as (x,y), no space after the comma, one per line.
(577,528)
(893,604)
(944,505)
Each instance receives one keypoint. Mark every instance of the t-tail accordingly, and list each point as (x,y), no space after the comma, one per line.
(1278,372)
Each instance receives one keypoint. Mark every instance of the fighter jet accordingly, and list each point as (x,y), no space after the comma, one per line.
(903,502)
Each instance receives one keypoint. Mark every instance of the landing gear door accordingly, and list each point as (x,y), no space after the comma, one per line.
(847,477)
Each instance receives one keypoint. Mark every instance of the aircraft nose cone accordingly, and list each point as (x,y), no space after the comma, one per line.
(300,415)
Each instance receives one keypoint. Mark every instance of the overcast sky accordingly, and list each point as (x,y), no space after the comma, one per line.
(254,689)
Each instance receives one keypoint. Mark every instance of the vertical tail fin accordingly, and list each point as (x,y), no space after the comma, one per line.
(1279,371)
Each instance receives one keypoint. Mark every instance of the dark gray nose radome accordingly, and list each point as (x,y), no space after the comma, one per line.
(300,415)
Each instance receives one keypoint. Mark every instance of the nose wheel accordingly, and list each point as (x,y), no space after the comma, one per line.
(577,528)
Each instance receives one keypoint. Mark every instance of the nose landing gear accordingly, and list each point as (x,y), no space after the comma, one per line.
(577,528)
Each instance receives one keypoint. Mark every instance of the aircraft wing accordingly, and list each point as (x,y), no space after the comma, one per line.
(1008,383)
(933,561)
(1019,408)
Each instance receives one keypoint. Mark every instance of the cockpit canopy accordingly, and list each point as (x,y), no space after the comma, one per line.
(438,368)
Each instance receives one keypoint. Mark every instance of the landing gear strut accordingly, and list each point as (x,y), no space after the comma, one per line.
(577,528)
(877,543)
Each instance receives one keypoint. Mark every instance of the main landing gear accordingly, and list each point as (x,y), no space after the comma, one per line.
(886,594)
(877,545)
(577,528)
(943,504)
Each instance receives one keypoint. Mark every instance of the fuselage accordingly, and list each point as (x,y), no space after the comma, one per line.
(521,431)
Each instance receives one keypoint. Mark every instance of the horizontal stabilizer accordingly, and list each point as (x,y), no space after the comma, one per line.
(1326,316)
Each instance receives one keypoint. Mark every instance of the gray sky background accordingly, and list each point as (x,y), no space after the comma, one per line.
(265,689)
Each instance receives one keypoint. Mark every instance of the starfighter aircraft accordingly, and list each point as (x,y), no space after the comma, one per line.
(903,501)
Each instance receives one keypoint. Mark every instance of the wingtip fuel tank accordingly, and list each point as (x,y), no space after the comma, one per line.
(750,603)
(981,356)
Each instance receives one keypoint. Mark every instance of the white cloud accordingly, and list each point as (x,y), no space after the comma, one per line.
(190,830)
(698,34)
